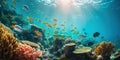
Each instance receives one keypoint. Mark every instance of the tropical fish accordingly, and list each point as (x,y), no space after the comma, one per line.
(13,22)
(12,6)
(62,24)
(38,33)
(96,34)
(55,32)
(18,28)
(85,33)
(47,24)
(14,1)
(76,32)
(12,26)
(74,29)
(9,15)
(54,25)
(64,30)
(82,36)
(102,37)
(38,20)
(25,7)
(30,19)
(54,20)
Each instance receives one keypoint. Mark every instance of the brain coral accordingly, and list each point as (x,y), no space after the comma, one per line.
(105,48)
(26,52)
(8,43)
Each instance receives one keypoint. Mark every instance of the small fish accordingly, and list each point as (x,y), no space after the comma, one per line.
(30,19)
(18,28)
(54,20)
(49,25)
(102,37)
(12,6)
(38,33)
(45,23)
(25,7)
(73,30)
(96,34)
(13,22)
(38,20)
(12,26)
(54,25)
(77,32)
(64,30)
(55,32)
(85,33)
(14,1)
(9,15)
(81,36)
(62,24)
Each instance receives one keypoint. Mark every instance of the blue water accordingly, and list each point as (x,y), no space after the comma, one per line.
(97,16)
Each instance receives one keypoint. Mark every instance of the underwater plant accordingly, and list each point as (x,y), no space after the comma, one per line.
(104,49)
(26,52)
(8,43)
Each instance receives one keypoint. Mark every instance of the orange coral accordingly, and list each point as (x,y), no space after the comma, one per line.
(8,43)
(105,48)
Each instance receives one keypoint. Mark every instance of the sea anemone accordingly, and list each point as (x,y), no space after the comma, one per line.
(8,43)
(26,52)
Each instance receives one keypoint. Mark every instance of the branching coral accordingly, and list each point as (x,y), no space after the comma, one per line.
(105,48)
(8,43)
(25,52)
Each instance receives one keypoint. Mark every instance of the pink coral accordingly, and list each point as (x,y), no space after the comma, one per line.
(26,52)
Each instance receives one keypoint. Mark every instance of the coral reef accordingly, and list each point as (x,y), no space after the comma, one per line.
(32,44)
(8,43)
(82,50)
(25,52)
(68,50)
(104,49)
(83,53)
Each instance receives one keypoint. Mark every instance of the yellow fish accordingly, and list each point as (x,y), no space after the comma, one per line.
(30,19)
(38,33)
(47,24)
